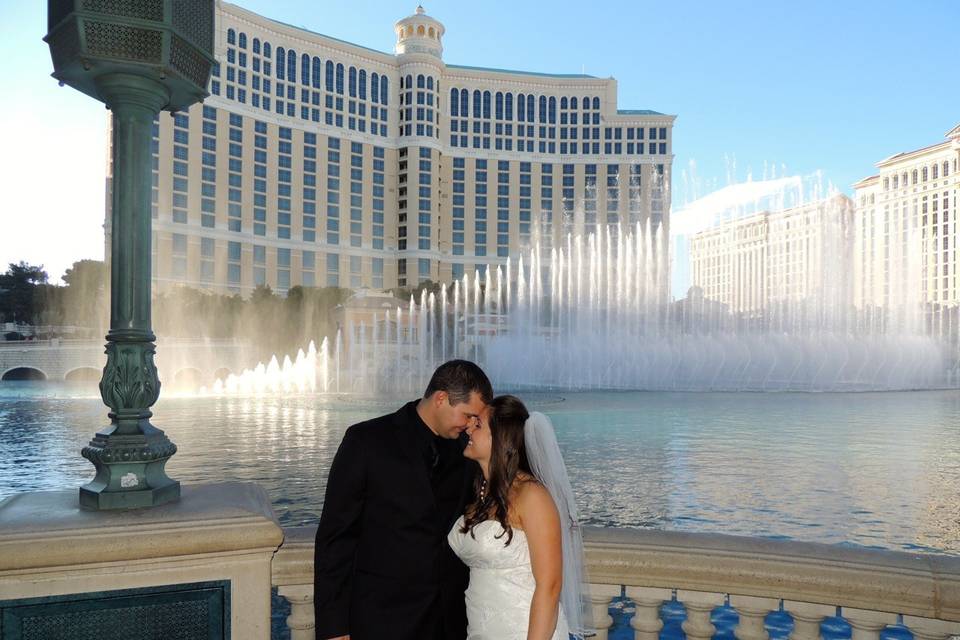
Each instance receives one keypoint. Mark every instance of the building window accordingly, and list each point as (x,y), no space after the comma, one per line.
(333,270)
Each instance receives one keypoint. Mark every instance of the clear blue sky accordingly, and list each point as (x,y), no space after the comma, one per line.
(806,86)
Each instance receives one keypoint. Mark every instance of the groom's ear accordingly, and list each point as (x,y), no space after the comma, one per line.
(439,398)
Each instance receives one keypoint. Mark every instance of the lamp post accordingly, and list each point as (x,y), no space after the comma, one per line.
(139,57)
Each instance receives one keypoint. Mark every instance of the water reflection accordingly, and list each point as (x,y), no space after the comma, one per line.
(876,469)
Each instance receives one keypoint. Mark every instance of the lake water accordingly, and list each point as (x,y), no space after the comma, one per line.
(872,469)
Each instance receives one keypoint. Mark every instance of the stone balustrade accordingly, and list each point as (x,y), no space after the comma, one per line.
(871,589)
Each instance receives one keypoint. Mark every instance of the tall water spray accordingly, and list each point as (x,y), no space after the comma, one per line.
(592,310)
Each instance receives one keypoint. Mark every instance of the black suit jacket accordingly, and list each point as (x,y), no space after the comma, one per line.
(382,565)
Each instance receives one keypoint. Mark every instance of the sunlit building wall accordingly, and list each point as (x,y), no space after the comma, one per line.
(905,249)
(319,162)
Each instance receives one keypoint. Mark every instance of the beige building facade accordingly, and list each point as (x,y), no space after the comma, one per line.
(905,248)
(318,162)
(797,255)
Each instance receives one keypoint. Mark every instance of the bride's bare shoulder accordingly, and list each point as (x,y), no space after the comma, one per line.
(529,491)
(535,509)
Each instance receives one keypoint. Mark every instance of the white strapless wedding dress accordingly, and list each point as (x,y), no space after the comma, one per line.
(501,583)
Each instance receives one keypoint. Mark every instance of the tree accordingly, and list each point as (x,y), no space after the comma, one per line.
(267,323)
(18,288)
(404,293)
(319,316)
(86,298)
(89,275)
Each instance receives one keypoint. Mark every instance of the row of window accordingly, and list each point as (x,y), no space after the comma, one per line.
(459,184)
(179,197)
(310,70)
(402,217)
(424,202)
(285,103)
(923,174)
(258,273)
(526,106)
(565,148)
(544,131)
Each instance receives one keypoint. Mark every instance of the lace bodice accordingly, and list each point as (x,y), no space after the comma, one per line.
(501,582)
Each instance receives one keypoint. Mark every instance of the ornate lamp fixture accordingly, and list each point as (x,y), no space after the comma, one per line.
(139,57)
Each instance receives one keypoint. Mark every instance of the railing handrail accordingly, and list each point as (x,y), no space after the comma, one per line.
(293,561)
(925,585)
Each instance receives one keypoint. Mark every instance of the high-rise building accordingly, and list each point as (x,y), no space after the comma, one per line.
(319,162)
(905,248)
(796,256)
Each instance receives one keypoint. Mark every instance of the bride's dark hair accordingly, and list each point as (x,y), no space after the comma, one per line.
(508,456)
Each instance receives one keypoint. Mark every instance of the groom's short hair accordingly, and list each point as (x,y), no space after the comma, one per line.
(459,378)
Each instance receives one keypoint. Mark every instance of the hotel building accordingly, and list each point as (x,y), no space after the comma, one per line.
(905,248)
(319,162)
(754,263)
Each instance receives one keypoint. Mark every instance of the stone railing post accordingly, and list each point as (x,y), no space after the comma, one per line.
(646,623)
(867,625)
(753,612)
(807,618)
(300,621)
(699,606)
(293,577)
(601,595)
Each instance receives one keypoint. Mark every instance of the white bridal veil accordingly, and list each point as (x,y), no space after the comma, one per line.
(546,462)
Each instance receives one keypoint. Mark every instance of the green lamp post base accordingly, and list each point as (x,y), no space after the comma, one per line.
(130,470)
(131,453)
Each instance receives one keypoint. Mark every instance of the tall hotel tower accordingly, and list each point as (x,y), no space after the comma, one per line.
(317,162)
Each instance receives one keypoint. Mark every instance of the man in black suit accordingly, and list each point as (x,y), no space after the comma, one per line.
(382,566)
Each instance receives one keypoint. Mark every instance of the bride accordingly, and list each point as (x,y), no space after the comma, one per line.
(519,535)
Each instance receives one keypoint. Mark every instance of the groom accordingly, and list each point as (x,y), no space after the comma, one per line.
(382,566)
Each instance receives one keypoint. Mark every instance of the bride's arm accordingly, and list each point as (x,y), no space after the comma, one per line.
(541,524)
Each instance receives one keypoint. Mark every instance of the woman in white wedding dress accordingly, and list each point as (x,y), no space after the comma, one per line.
(519,535)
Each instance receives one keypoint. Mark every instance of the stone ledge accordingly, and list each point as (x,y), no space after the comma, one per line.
(926,585)
(49,529)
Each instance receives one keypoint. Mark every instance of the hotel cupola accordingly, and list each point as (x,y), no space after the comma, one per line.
(419,34)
